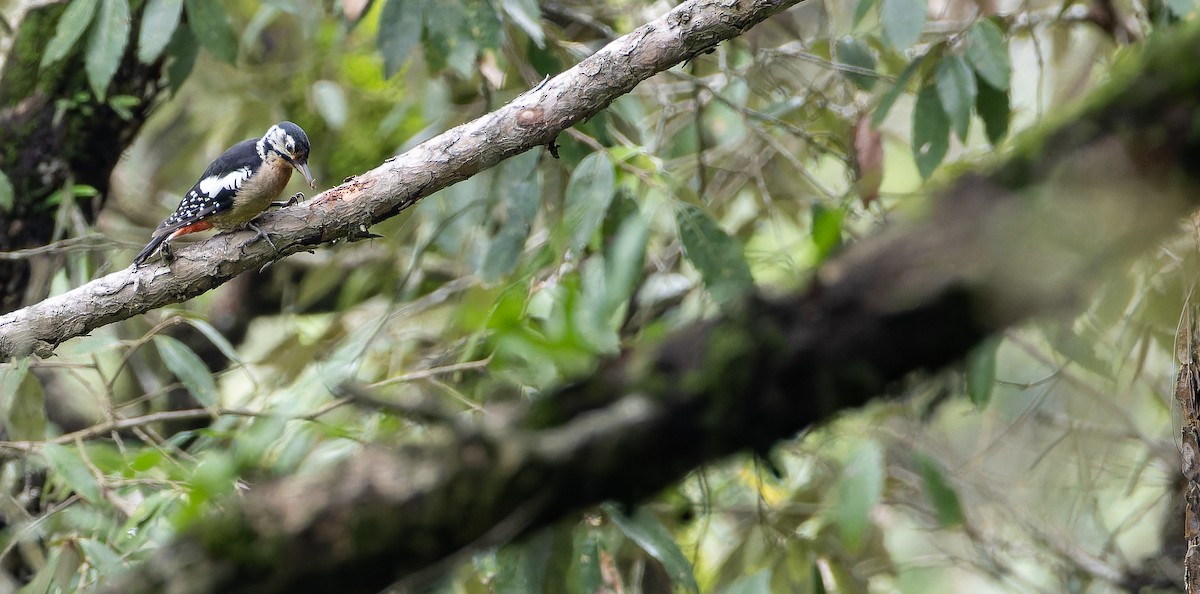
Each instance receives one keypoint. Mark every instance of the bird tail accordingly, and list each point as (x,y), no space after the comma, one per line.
(155,241)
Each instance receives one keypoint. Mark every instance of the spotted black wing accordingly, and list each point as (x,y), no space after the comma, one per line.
(214,191)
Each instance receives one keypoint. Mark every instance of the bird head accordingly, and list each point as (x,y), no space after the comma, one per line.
(291,143)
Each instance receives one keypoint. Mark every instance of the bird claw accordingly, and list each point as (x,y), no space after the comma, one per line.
(298,196)
(168,255)
(263,234)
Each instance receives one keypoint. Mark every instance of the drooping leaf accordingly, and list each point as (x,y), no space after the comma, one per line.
(71,25)
(645,529)
(941,493)
(43,582)
(956,90)
(100,556)
(583,576)
(182,49)
(106,44)
(25,417)
(861,10)
(859,489)
(993,108)
(188,367)
(521,566)
(987,51)
(931,132)
(330,100)
(714,253)
(623,260)
(858,62)
(527,15)
(209,22)
(160,18)
(68,465)
(981,371)
(903,21)
(7,194)
(520,188)
(589,193)
(400,26)
(214,336)
(826,230)
(889,97)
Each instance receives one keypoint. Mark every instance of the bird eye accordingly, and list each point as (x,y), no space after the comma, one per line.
(291,146)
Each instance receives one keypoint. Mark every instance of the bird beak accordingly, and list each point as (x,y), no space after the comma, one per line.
(302,167)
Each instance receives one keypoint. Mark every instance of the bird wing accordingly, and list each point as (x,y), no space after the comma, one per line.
(214,191)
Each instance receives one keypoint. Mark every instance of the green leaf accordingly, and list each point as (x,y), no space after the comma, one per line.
(159,21)
(527,15)
(941,494)
(903,21)
(7,194)
(826,230)
(183,50)
(330,100)
(214,336)
(859,490)
(645,529)
(146,459)
(187,366)
(521,566)
(106,46)
(861,10)
(43,582)
(100,556)
(583,576)
(755,583)
(715,254)
(625,257)
(888,99)
(400,26)
(981,371)
(589,193)
(69,466)
(1182,8)
(520,189)
(25,417)
(956,90)
(987,51)
(993,108)
(855,54)
(71,25)
(210,24)
(931,132)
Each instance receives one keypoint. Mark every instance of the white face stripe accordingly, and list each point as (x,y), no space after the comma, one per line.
(230,181)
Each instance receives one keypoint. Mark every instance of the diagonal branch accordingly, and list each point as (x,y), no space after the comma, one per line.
(1035,236)
(343,212)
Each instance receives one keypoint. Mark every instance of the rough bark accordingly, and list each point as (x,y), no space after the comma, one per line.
(55,130)
(1033,236)
(535,118)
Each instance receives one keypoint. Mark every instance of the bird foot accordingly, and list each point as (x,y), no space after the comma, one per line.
(298,196)
(262,234)
(168,255)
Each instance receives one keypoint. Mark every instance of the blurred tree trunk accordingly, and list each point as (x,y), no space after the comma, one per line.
(56,132)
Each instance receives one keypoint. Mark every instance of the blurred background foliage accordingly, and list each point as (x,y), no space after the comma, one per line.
(1042,464)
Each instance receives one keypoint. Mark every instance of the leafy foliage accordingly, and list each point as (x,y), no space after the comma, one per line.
(729,174)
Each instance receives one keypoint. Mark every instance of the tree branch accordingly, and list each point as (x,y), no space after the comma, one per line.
(1034,236)
(344,212)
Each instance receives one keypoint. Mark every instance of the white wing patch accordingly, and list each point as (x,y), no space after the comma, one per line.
(230,181)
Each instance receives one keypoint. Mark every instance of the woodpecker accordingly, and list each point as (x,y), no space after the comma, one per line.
(236,187)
